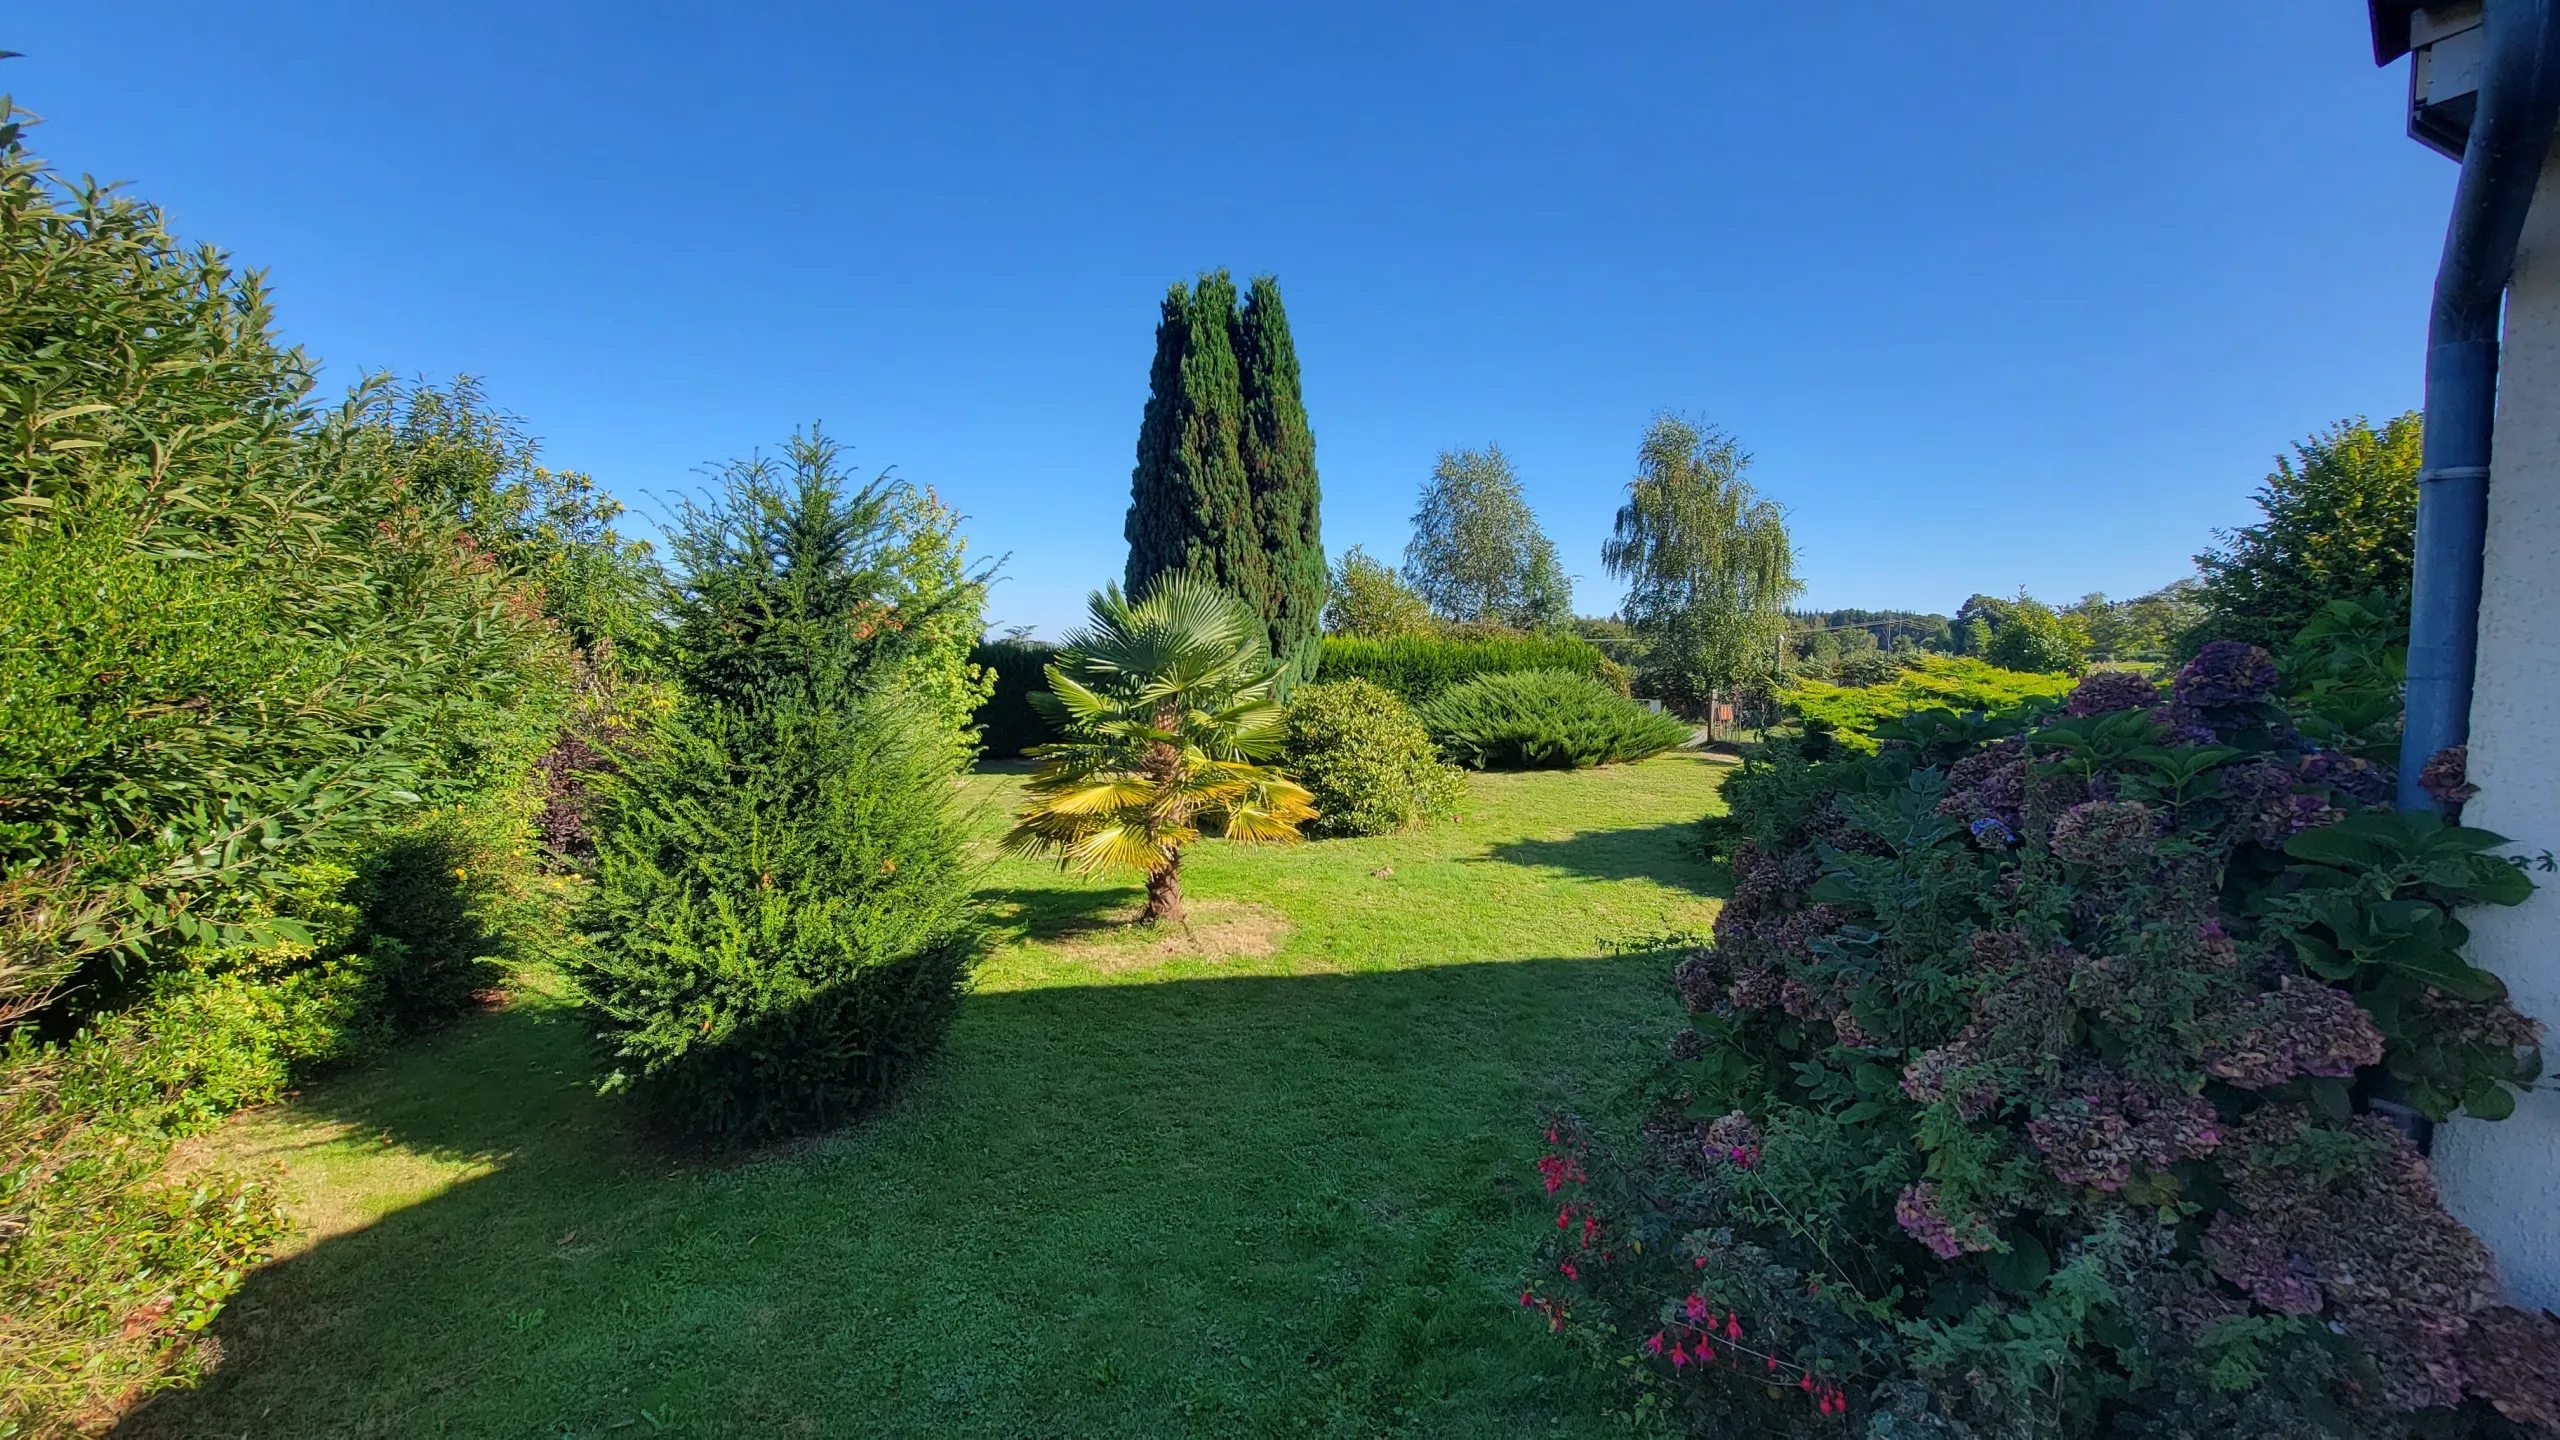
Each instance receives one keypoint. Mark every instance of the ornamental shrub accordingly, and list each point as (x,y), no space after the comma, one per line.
(782,920)
(1418,667)
(1366,759)
(1949,683)
(2024,1093)
(1545,720)
(1008,723)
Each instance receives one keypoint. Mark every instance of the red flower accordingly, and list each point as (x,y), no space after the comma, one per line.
(1806,1384)
(1679,1357)
(1705,1352)
(1654,1345)
(1527,1300)
(1569,1272)
(1732,1326)
(1696,1309)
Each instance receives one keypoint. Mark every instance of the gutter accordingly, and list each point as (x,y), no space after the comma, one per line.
(2511,132)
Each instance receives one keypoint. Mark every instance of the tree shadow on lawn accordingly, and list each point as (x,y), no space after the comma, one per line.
(1057,912)
(1669,853)
(1258,1204)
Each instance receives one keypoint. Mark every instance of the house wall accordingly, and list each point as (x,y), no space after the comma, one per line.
(2503,1178)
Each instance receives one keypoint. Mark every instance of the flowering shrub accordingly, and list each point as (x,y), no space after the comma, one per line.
(2027,1087)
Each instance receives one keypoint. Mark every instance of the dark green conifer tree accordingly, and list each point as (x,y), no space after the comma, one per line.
(1279,453)
(1190,506)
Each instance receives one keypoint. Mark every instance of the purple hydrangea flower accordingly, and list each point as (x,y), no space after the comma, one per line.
(2106,691)
(2227,672)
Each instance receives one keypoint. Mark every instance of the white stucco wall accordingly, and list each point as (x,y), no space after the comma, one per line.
(2504,1178)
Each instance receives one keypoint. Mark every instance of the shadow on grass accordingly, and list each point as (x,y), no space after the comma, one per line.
(1668,853)
(1215,1206)
(1057,912)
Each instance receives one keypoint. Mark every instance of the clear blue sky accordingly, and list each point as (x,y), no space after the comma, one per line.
(2002,294)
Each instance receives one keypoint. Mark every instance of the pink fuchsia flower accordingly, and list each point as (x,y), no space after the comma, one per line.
(1569,1272)
(1695,1308)
(1679,1357)
(1654,1345)
(1732,1326)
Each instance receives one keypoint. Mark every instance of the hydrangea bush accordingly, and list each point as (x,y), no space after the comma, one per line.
(2039,1082)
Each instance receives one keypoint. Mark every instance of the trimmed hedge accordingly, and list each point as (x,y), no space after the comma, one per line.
(1419,667)
(1367,760)
(1007,725)
(1545,720)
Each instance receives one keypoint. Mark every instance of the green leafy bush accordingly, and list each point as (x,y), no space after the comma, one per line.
(1545,720)
(1418,667)
(781,919)
(1008,723)
(109,1266)
(2020,1095)
(271,679)
(1949,683)
(1366,759)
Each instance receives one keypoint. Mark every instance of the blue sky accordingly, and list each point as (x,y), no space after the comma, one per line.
(2001,295)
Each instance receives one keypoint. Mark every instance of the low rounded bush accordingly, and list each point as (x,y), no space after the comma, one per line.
(1545,720)
(2024,1094)
(1366,759)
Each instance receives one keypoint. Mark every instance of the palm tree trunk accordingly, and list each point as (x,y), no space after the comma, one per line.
(1164,893)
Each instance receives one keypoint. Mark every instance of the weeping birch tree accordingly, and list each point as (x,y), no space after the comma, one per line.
(1708,565)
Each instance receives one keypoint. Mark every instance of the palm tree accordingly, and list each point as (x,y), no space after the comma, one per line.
(1168,703)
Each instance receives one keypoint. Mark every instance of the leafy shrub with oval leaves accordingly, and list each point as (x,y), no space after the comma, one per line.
(2030,1085)
(1366,759)
(1545,720)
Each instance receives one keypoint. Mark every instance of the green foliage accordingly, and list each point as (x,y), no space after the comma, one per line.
(1279,453)
(1368,602)
(110,1266)
(2018,1094)
(1477,554)
(1932,682)
(795,583)
(1167,707)
(271,683)
(1191,504)
(2034,637)
(1366,760)
(1418,667)
(1708,565)
(2147,627)
(781,922)
(1008,723)
(1545,720)
(2340,520)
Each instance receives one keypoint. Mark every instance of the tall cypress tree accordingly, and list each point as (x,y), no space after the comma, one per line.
(1190,505)
(1279,452)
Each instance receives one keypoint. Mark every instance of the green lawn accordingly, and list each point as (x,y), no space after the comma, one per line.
(1267,1178)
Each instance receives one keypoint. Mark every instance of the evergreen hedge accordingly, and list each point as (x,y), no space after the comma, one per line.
(1545,720)
(1007,722)
(1418,667)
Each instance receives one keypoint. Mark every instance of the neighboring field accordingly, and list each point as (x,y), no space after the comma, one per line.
(1268,1178)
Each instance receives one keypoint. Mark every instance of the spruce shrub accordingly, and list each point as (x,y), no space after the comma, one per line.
(781,921)
(1418,667)
(1366,759)
(1545,720)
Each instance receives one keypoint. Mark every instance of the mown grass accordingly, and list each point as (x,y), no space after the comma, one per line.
(1269,1178)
